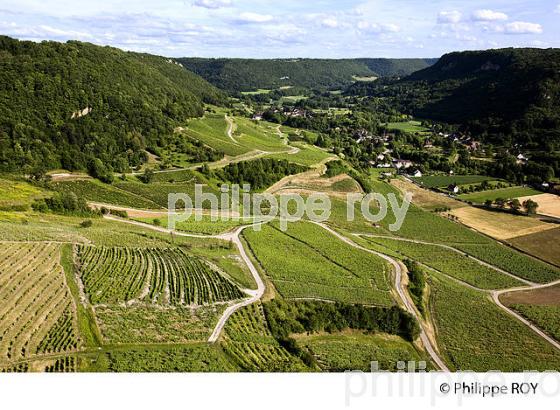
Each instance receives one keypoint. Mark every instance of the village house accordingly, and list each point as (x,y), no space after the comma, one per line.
(453,188)
(402,163)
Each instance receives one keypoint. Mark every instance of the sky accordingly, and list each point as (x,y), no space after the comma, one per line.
(288,28)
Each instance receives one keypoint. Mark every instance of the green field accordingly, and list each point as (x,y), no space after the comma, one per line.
(408,126)
(95,191)
(307,155)
(451,263)
(545,317)
(18,194)
(200,357)
(249,343)
(356,351)
(307,262)
(505,193)
(512,261)
(256,92)
(475,335)
(154,276)
(443,181)
(205,226)
(144,324)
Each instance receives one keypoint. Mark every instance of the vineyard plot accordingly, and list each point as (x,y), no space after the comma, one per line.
(249,343)
(37,313)
(158,276)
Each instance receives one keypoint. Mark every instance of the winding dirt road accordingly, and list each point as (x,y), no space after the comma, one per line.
(255,295)
(409,305)
(495,294)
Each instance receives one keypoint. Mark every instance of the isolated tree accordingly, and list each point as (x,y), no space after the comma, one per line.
(515,205)
(488,203)
(530,207)
(500,203)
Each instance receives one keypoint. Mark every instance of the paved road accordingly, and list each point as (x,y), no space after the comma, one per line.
(402,294)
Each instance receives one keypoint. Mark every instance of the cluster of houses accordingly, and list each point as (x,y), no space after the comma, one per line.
(287,111)
(467,141)
(401,165)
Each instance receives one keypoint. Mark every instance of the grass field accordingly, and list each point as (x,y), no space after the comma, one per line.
(307,155)
(425,198)
(307,262)
(206,226)
(256,92)
(505,193)
(539,245)
(147,324)
(200,357)
(18,194)
(474,334)
(340,352)
(443,181)
(408,126)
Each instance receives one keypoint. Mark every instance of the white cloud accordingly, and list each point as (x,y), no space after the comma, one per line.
(488,15)
(368,27)
(330,22)
(557,9)
(250,17)
(212,4)
(452,17)
(522,27)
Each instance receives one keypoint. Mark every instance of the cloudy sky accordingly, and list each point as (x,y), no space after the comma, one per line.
(288,28)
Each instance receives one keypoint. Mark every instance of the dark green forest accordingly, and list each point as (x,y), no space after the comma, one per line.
(131,102)
(235,75)
(505,96)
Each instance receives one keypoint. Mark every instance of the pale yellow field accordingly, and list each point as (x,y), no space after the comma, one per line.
(549,204)
(500,225)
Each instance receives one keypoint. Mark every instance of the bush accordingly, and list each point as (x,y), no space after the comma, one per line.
(87,223)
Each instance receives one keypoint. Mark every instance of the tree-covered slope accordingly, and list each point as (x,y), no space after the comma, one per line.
(131,102)
(236,75)
(501,93)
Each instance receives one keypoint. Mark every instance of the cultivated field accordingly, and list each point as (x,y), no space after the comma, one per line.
(307,262)
(354,350)
(549,204)
(499,225)
(443,181)
(425,198)
(451,263)
(541,245)
(158,276)
(505,193)
(149,324)
(37,314)
(249,343)
(472,331)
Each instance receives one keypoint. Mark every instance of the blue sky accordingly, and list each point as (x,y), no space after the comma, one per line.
(288,28)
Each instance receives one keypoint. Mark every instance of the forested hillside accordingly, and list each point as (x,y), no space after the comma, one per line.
(234,75)
(81,106)
(505,96)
